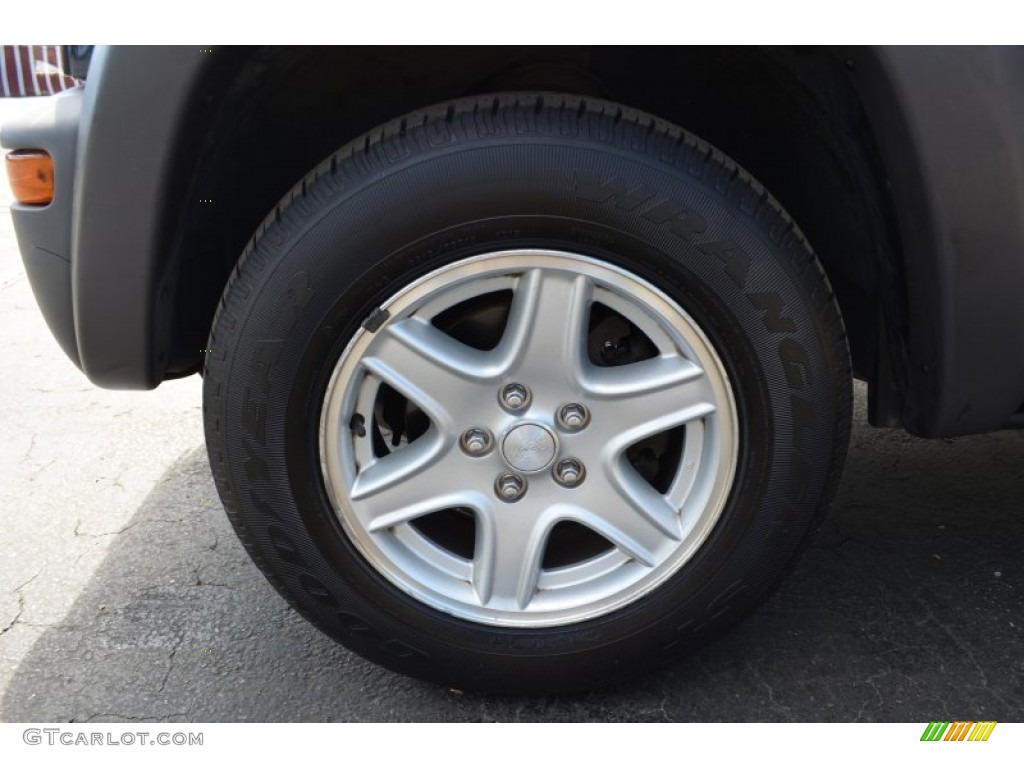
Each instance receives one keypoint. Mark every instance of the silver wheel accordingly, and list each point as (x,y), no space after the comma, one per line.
(525,480)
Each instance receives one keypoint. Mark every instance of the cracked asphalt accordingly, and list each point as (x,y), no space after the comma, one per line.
(125,596)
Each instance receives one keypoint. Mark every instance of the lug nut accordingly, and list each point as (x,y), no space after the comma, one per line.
(476,441)
(510,487)
(573,416)
(515,397)
(569,472)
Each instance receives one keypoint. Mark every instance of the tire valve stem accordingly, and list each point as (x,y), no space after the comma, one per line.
(358,424)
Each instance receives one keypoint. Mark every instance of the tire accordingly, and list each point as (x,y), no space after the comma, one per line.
(390,306)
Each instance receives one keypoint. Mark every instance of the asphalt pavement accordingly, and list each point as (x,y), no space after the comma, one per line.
(125,596)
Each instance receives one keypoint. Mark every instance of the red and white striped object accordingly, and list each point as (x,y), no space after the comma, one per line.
(32,70)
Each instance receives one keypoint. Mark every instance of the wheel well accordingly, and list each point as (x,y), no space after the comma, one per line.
(789,116)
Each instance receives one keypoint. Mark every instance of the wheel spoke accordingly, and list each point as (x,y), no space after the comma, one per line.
(509,552)
(634,535)
(635,506)
(547,323)
(441,375)
(642,399)
(411,482)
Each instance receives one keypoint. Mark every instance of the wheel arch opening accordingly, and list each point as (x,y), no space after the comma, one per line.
(787,115)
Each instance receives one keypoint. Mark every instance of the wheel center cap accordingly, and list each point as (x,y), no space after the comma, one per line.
(528,447)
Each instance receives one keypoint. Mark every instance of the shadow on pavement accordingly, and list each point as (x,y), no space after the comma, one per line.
(907,607)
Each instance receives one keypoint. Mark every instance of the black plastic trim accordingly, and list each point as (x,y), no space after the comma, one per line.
(137,100)
(949,122)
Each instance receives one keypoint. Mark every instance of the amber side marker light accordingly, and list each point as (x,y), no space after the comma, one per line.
(31,175)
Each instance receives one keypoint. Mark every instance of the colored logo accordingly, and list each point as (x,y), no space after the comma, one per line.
(958,731)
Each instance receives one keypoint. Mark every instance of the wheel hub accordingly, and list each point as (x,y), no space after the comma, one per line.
(529,447)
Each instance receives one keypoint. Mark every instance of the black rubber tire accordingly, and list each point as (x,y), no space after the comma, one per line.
(525,170)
